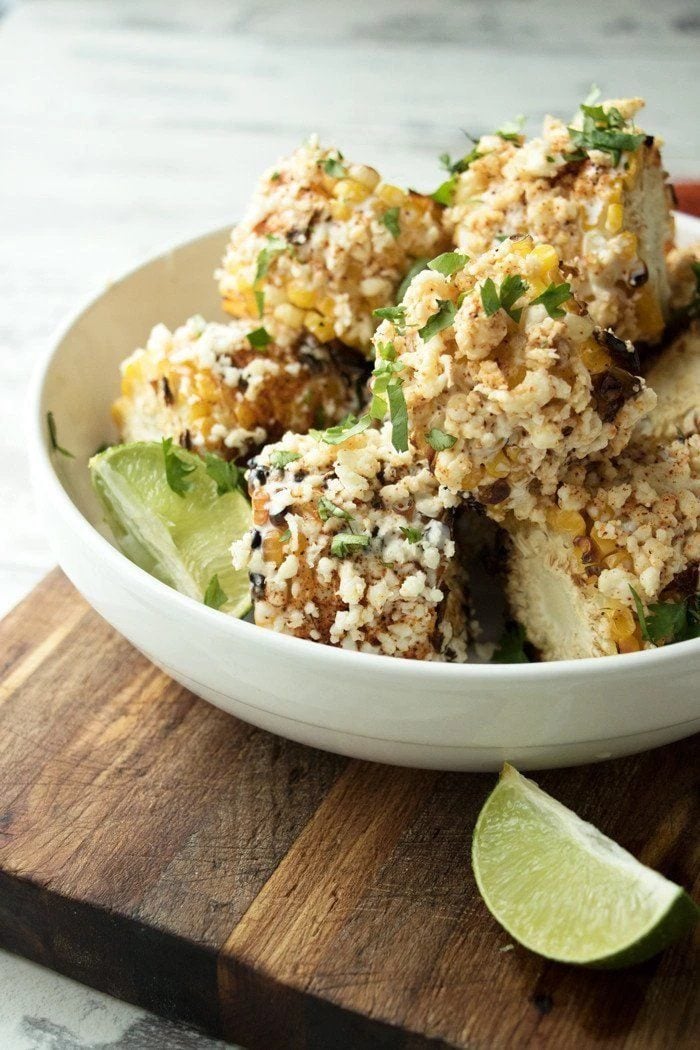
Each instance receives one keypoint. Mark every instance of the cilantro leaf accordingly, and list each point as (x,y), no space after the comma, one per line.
(282,456)
(445,193)
(511,646)
(334,167)
(512,288)
(286,536)
(215,596)
(390,219)
(412,534)
(259,301)
(512,130)
(442,318)
(399,416)
(327,509)
(53,439)
(418,266)
(227,476)
(259,338)
(395,314)
(604,130)
(344,543)
(440,439)
(666,622)
(641,615)
(275,246)
(176,468)
(552,298)
(489,298)
(448,263)
(347,428)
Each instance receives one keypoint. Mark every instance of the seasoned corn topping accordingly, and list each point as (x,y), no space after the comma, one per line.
(606,211)
(619,532)
(324,243)
(506,378)
(209,388)
(352,546)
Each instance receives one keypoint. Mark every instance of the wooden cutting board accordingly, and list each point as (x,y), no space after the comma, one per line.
(158,849)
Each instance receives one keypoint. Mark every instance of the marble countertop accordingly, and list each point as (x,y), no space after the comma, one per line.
(129,124)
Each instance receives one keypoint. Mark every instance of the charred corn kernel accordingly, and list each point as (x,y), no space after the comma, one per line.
(365,175)
(569,521)
(629,645)
(618,560)
(546,257)
(289,315)
(350,192)
(622,623)
(259,501)
(300,295)
(273,548)
(498,466)
(595,358)
(523,246)
(649,316)
(614,218)
(602,544)
(394,196)
(319,326)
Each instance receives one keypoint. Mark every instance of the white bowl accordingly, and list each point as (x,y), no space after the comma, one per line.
(469,717)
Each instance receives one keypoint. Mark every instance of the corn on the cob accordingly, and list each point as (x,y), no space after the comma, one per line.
(206,386)
(324,243)
(607,212)
(614,528)
(502,391)
(675,379)
(352,546)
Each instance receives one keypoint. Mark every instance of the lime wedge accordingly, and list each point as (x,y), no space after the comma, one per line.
(563,889)
(183,540)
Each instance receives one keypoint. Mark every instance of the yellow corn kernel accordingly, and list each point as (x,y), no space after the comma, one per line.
(273,548)
(498,466)
(622,623)
(513,453)
(546,256)
(350,192)
(603,545)
(289,315)
(569,521)
(618,560)
(582,552)
(615,195)
(240,304)
(629,645)
(365,175)
(259,501)
(326,306)
(649,316)
(301,295)
(246,416)
(470,480)
(319,326)
(515,376)
(614,218)
(594,357)
(523,246)
(340,210)
(394,196)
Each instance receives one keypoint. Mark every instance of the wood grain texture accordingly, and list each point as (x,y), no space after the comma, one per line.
(157,849)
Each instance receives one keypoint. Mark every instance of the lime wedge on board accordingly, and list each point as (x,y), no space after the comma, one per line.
(183,540)
(563,889)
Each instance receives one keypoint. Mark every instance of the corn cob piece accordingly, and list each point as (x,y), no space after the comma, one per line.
(606,210)
(206,386)
(614,528)
(352,546)
(506,378)
(675,379)
(323,244)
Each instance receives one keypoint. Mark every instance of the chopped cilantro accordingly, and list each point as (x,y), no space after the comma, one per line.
(51,424)
(259,301)
(349,427)
(327,509)
(399,416)
(412,534)
(512,288)
(286,536)
(227,475)
(666,622)
(275,176)
(259,338)
(448,263)
(275,246)
(282,456)
(344,543)
(604,130)
(390,219)
(552,298)
(512,130)
(395,314)
(215,596)
(440,439)
(511,646)
(176,468)
(418,266)
(334,167)
(442,318)
(445,193)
